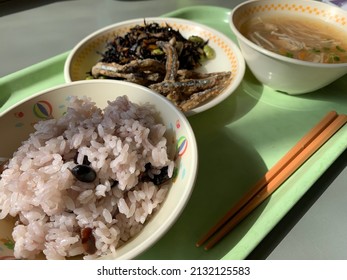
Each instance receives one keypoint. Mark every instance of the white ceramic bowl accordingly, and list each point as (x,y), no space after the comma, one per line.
(279,72)
(228,56)
(17,123)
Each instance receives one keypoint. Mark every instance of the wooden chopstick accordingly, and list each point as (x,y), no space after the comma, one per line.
(286,166)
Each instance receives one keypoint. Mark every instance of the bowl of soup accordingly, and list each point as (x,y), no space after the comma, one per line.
(292,46)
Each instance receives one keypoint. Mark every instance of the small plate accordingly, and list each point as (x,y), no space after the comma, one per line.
(228,56)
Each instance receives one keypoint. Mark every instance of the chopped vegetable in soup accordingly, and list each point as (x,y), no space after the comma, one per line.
(300,38)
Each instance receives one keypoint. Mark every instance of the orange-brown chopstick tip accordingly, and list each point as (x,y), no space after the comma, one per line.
(305,148)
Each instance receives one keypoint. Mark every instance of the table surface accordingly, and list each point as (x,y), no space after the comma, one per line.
(30,32)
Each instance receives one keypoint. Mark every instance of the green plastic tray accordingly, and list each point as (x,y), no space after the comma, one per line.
(238,141)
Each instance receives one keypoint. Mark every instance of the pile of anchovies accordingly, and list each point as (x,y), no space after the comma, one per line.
(160,58)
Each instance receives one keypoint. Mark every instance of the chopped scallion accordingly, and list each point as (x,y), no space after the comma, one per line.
(315,50)
(333,58)
(340,49)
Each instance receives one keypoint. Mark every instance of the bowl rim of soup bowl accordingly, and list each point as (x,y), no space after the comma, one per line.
(235,29)
(181,202)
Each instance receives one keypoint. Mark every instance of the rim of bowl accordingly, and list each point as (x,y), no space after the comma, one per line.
(235,82)
(180,206)
(264,51)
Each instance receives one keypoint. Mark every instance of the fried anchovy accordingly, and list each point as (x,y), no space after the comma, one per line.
(172,62)
(183,74)
(190,86)
(199,97)
(141,78)
(113,69)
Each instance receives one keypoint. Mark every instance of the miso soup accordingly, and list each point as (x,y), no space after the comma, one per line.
(298,37)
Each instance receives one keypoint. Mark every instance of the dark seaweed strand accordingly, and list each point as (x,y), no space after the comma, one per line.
(139,42)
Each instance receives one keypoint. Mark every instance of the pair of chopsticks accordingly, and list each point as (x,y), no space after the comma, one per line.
(279,173)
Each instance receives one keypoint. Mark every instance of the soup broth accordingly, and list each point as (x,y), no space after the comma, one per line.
(299,38)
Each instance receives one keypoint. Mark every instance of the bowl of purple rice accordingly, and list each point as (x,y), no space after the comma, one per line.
(194,66)
(97,169)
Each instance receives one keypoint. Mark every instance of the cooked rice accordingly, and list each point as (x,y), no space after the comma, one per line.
(53,207)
